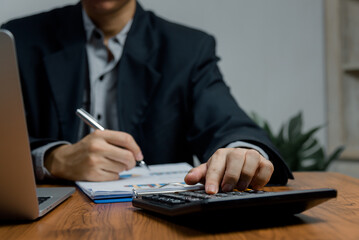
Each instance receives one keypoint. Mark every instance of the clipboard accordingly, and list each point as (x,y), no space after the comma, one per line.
(158,177)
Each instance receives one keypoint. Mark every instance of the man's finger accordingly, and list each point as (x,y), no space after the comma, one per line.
(235,162)
(216,167)
(263,174)
(121,139)
(196,175)
(120,156)
(251,163)
(104,175)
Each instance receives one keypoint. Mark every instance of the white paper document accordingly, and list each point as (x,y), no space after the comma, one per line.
(158,177)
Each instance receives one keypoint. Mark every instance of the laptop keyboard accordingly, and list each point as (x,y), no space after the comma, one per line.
(42,199)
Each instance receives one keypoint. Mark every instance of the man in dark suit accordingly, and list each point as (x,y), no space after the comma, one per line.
(156,84)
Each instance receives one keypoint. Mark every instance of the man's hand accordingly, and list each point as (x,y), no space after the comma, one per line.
(232,168)
(99,156)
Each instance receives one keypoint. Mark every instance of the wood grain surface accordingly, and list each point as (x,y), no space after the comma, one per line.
(80,218)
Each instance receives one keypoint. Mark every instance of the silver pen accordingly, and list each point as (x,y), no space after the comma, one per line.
(91,121)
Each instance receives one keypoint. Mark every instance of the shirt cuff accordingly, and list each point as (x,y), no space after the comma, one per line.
(238,144)
(38,156)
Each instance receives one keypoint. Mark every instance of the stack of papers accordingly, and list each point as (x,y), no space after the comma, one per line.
(162,176)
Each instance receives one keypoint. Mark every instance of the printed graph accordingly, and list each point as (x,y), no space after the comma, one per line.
(153,185)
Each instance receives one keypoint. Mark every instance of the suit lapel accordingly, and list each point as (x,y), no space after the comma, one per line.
(138,77)
(67,72)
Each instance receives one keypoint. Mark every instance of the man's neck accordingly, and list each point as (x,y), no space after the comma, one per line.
(112,22)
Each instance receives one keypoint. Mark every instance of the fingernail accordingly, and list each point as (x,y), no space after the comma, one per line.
(242,186)
(211,189)
(139,157)
(227,187)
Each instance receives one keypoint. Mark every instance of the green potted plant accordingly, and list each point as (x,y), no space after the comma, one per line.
(301,150)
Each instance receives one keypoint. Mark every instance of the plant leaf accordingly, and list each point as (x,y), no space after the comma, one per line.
(333,156)
(301,151)
(303,139)
(318,158)
(280,137)
(295,126)
(267,128)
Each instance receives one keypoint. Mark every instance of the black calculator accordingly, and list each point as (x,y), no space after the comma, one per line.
(261,203)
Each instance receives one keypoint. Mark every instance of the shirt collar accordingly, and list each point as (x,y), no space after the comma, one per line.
(90,28)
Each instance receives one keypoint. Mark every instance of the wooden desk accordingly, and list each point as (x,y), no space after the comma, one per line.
(79,218)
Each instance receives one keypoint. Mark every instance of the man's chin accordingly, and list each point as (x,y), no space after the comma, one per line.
(104,6)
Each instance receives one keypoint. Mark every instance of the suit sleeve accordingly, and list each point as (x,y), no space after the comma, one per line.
(217,119)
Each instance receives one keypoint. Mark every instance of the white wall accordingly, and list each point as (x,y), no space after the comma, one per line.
(18,8)
(272,51)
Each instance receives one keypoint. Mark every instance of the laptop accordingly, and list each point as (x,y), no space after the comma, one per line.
(20,198)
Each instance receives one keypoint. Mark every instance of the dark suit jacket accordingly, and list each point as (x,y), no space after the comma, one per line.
(171,95)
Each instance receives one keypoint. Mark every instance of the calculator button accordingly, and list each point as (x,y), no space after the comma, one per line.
(196,195)
(253,191)
(182,197)
(222,195)
(170,200)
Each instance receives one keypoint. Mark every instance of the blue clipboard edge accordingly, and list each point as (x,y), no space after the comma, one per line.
(112,200)
(109,198)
